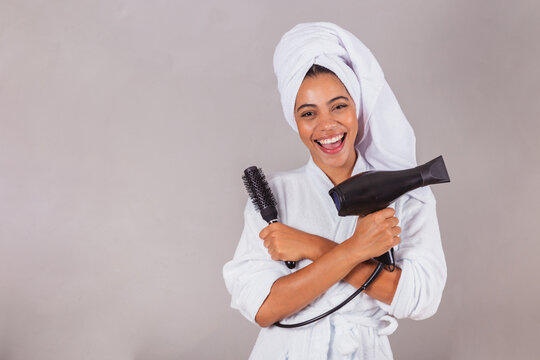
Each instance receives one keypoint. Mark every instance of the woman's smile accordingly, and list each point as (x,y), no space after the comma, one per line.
(331,144)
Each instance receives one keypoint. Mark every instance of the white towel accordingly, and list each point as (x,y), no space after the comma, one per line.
(387,141)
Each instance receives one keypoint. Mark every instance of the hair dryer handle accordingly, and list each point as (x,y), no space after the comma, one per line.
(387,258)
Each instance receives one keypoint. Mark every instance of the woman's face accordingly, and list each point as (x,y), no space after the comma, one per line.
(327,124)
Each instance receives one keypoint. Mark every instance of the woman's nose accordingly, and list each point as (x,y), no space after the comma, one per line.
(326,120)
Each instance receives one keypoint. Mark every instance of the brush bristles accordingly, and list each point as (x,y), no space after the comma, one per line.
(258,189)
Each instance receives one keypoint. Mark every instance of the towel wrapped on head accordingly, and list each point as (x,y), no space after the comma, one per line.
(386,140)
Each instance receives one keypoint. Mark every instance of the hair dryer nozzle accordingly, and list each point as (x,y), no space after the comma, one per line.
(434,172)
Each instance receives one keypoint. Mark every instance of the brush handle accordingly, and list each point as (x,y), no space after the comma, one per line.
(290,264)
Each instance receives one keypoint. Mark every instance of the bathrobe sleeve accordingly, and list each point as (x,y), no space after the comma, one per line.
(252,272)
(421,259)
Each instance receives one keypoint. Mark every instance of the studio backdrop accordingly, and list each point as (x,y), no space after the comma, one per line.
(125,127)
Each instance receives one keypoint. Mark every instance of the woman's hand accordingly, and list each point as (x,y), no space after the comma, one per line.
(289,244)
(374,235)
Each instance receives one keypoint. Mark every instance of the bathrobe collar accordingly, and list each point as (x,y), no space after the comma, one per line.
(318,176)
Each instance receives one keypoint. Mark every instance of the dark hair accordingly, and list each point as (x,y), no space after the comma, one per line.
(315,70)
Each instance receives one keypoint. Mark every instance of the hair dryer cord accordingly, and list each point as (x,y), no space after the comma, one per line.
(362,288)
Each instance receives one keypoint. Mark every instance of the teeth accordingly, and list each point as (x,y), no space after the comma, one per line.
(331,140)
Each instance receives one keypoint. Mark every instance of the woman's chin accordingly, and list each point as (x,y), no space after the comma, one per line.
(335,160)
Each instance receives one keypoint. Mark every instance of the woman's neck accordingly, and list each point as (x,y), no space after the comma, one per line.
(339,174)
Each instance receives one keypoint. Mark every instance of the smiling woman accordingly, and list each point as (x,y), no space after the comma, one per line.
(335,96)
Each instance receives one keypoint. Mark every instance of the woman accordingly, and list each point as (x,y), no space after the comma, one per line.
(334,95)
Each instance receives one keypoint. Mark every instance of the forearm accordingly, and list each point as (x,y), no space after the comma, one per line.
(291,293)
(382,288)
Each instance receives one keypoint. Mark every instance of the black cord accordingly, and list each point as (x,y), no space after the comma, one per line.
(362,288)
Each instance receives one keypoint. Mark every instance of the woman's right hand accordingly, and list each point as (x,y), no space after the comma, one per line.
(374,235)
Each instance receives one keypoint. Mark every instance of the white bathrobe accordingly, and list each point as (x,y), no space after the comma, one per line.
(359,330)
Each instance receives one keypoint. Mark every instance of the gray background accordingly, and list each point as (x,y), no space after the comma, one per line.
(124,129)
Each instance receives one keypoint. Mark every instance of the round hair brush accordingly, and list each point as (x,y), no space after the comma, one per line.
(262,198)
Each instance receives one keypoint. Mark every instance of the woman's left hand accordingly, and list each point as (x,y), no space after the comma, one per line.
(289,244)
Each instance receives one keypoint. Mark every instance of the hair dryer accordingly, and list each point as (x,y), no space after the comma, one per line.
(374,190)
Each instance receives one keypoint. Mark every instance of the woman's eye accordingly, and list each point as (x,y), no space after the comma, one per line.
(306,114)
(341,106)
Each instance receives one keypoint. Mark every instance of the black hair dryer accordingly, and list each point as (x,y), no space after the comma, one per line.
(374,190)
